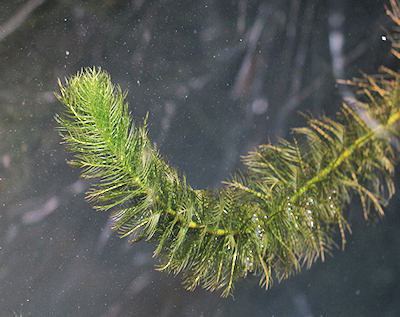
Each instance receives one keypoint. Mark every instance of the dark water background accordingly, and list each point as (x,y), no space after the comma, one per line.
(217,77)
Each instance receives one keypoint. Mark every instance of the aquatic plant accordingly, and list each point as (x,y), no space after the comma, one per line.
(278,215)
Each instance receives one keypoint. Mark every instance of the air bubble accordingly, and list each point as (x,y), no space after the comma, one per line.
(249,263)
(259,232)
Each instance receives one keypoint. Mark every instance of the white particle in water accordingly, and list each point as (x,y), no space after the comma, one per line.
(383,37)
(67,53)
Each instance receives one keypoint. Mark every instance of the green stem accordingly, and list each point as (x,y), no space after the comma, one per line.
(195,225)
(342,157)
(309,184)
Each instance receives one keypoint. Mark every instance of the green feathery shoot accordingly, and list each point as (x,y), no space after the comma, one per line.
(279,216)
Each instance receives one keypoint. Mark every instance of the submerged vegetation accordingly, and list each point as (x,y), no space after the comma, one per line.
(278,215)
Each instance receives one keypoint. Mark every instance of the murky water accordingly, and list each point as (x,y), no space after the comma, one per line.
(217,78)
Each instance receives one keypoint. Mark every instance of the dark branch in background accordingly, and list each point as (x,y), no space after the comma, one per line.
(247,69)
(242,14)
(34,210)
(295,99)
(298,67)
(19,18)
(336,47)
